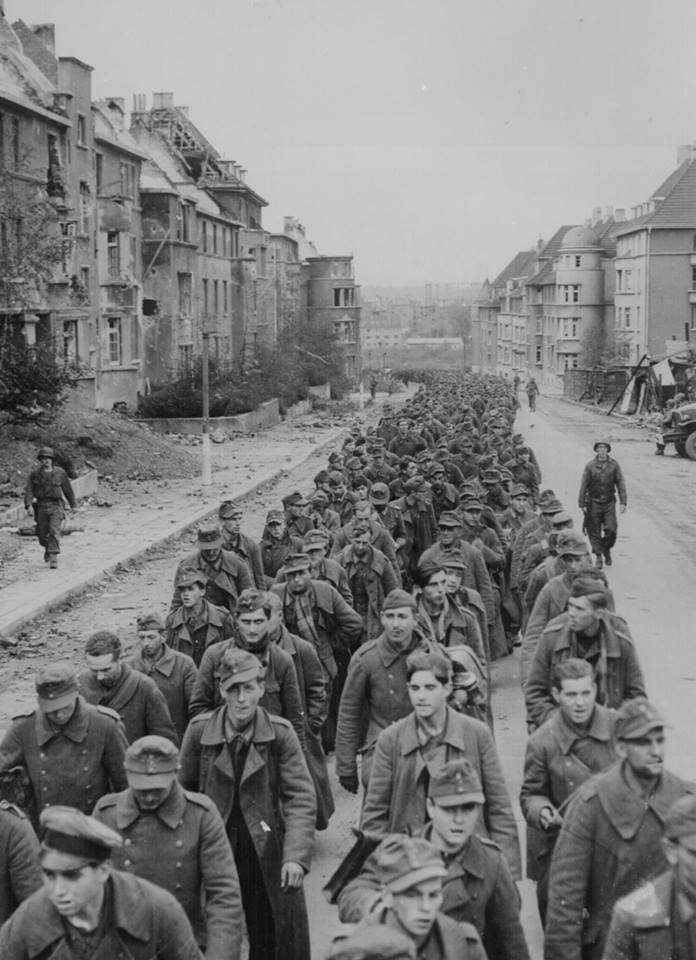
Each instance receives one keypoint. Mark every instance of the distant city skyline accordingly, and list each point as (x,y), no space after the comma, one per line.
(431,139)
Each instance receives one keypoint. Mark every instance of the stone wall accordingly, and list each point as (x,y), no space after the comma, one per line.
(265,415)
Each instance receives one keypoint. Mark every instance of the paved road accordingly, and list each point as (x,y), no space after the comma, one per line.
(653,577)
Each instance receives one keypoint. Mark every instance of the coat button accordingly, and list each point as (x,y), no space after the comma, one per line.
(177,886)
(43,773)
(179,843)
(178,865)
(43,756)
(126,843)
(127,863)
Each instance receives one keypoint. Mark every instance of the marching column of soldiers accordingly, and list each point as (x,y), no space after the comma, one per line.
(164,804)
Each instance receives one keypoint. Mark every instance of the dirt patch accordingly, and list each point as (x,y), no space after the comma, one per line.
(116,447)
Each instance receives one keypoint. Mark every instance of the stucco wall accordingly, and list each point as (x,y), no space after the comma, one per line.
(265,415)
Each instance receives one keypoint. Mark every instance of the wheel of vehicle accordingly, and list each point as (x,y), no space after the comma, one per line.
(690,446)
(680,447)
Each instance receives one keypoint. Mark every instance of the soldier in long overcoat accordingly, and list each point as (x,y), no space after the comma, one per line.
(20,873)
(72,751)
(251,765)
(176,839)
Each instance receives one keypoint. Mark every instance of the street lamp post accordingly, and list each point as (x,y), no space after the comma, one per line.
(207,471)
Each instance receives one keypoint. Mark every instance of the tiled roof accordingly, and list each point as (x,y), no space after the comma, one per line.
(675,202)
(515,269)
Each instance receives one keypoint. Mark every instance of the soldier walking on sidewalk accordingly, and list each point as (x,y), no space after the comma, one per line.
(44,493)
(602,479)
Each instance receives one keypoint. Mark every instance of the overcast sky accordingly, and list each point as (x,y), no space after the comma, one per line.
(433,139)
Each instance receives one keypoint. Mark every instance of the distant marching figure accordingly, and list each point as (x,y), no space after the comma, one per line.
(46,487)
(532,393)
(602,479)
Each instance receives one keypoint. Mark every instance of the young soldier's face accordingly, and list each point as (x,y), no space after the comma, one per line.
(427,694)
(417,907)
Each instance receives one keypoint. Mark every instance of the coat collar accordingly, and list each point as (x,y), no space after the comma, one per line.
(471,859)
(130,910)
(214,730)
(452,735)
(165,664)
(625,809)
(605,627)
(170,813)
(601,728)
(389,654)
(75,729)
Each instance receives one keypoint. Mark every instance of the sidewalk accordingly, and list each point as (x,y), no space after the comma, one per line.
(154,512)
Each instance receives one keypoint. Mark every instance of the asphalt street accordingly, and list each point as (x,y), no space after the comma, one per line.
(653,579)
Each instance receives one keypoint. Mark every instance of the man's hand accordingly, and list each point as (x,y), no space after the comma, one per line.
(549,818)
(291,876)
(622,508)
(350,783)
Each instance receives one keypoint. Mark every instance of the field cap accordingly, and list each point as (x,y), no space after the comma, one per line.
(571,544)
(519,490)
(319,496)
(449,519)
(414,484)
(336,478)
(275,516)
(315,538)
(295,499)
(403,861)
(296,561)
(45,453)
(551,506)
(558,519)
(151,762)
(471,503)
(150,621)
(228,508)
(456,783)
(453,560)
(69,831)
(374,941)
(680,822)
(238,666)
(636,718)
(209,537)
(187,576)
(398,598)
(249,600)
(379,493)
(56,686)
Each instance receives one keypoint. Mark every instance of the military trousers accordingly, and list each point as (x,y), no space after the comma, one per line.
(602,525)
(49,519)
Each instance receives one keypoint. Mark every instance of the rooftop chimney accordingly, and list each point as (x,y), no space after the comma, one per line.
(242,174)
(139,103)
(596,214)
(620,214)
(162,101)
(608,212)
(46,33)
(684,152)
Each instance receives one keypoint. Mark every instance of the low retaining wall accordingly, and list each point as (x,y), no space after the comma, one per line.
(299,409)
(265,415)
(322,391)
(83,486)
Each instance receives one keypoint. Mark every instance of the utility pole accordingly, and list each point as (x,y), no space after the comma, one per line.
(207,474)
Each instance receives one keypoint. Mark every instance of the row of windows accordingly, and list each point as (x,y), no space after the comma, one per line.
(219,347)
(214,238)
(215,294)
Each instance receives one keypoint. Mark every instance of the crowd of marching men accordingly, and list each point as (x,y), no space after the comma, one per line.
(164,804)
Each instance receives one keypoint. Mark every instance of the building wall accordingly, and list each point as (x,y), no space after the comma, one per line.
(119,342)
(334,298)
(169,334)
